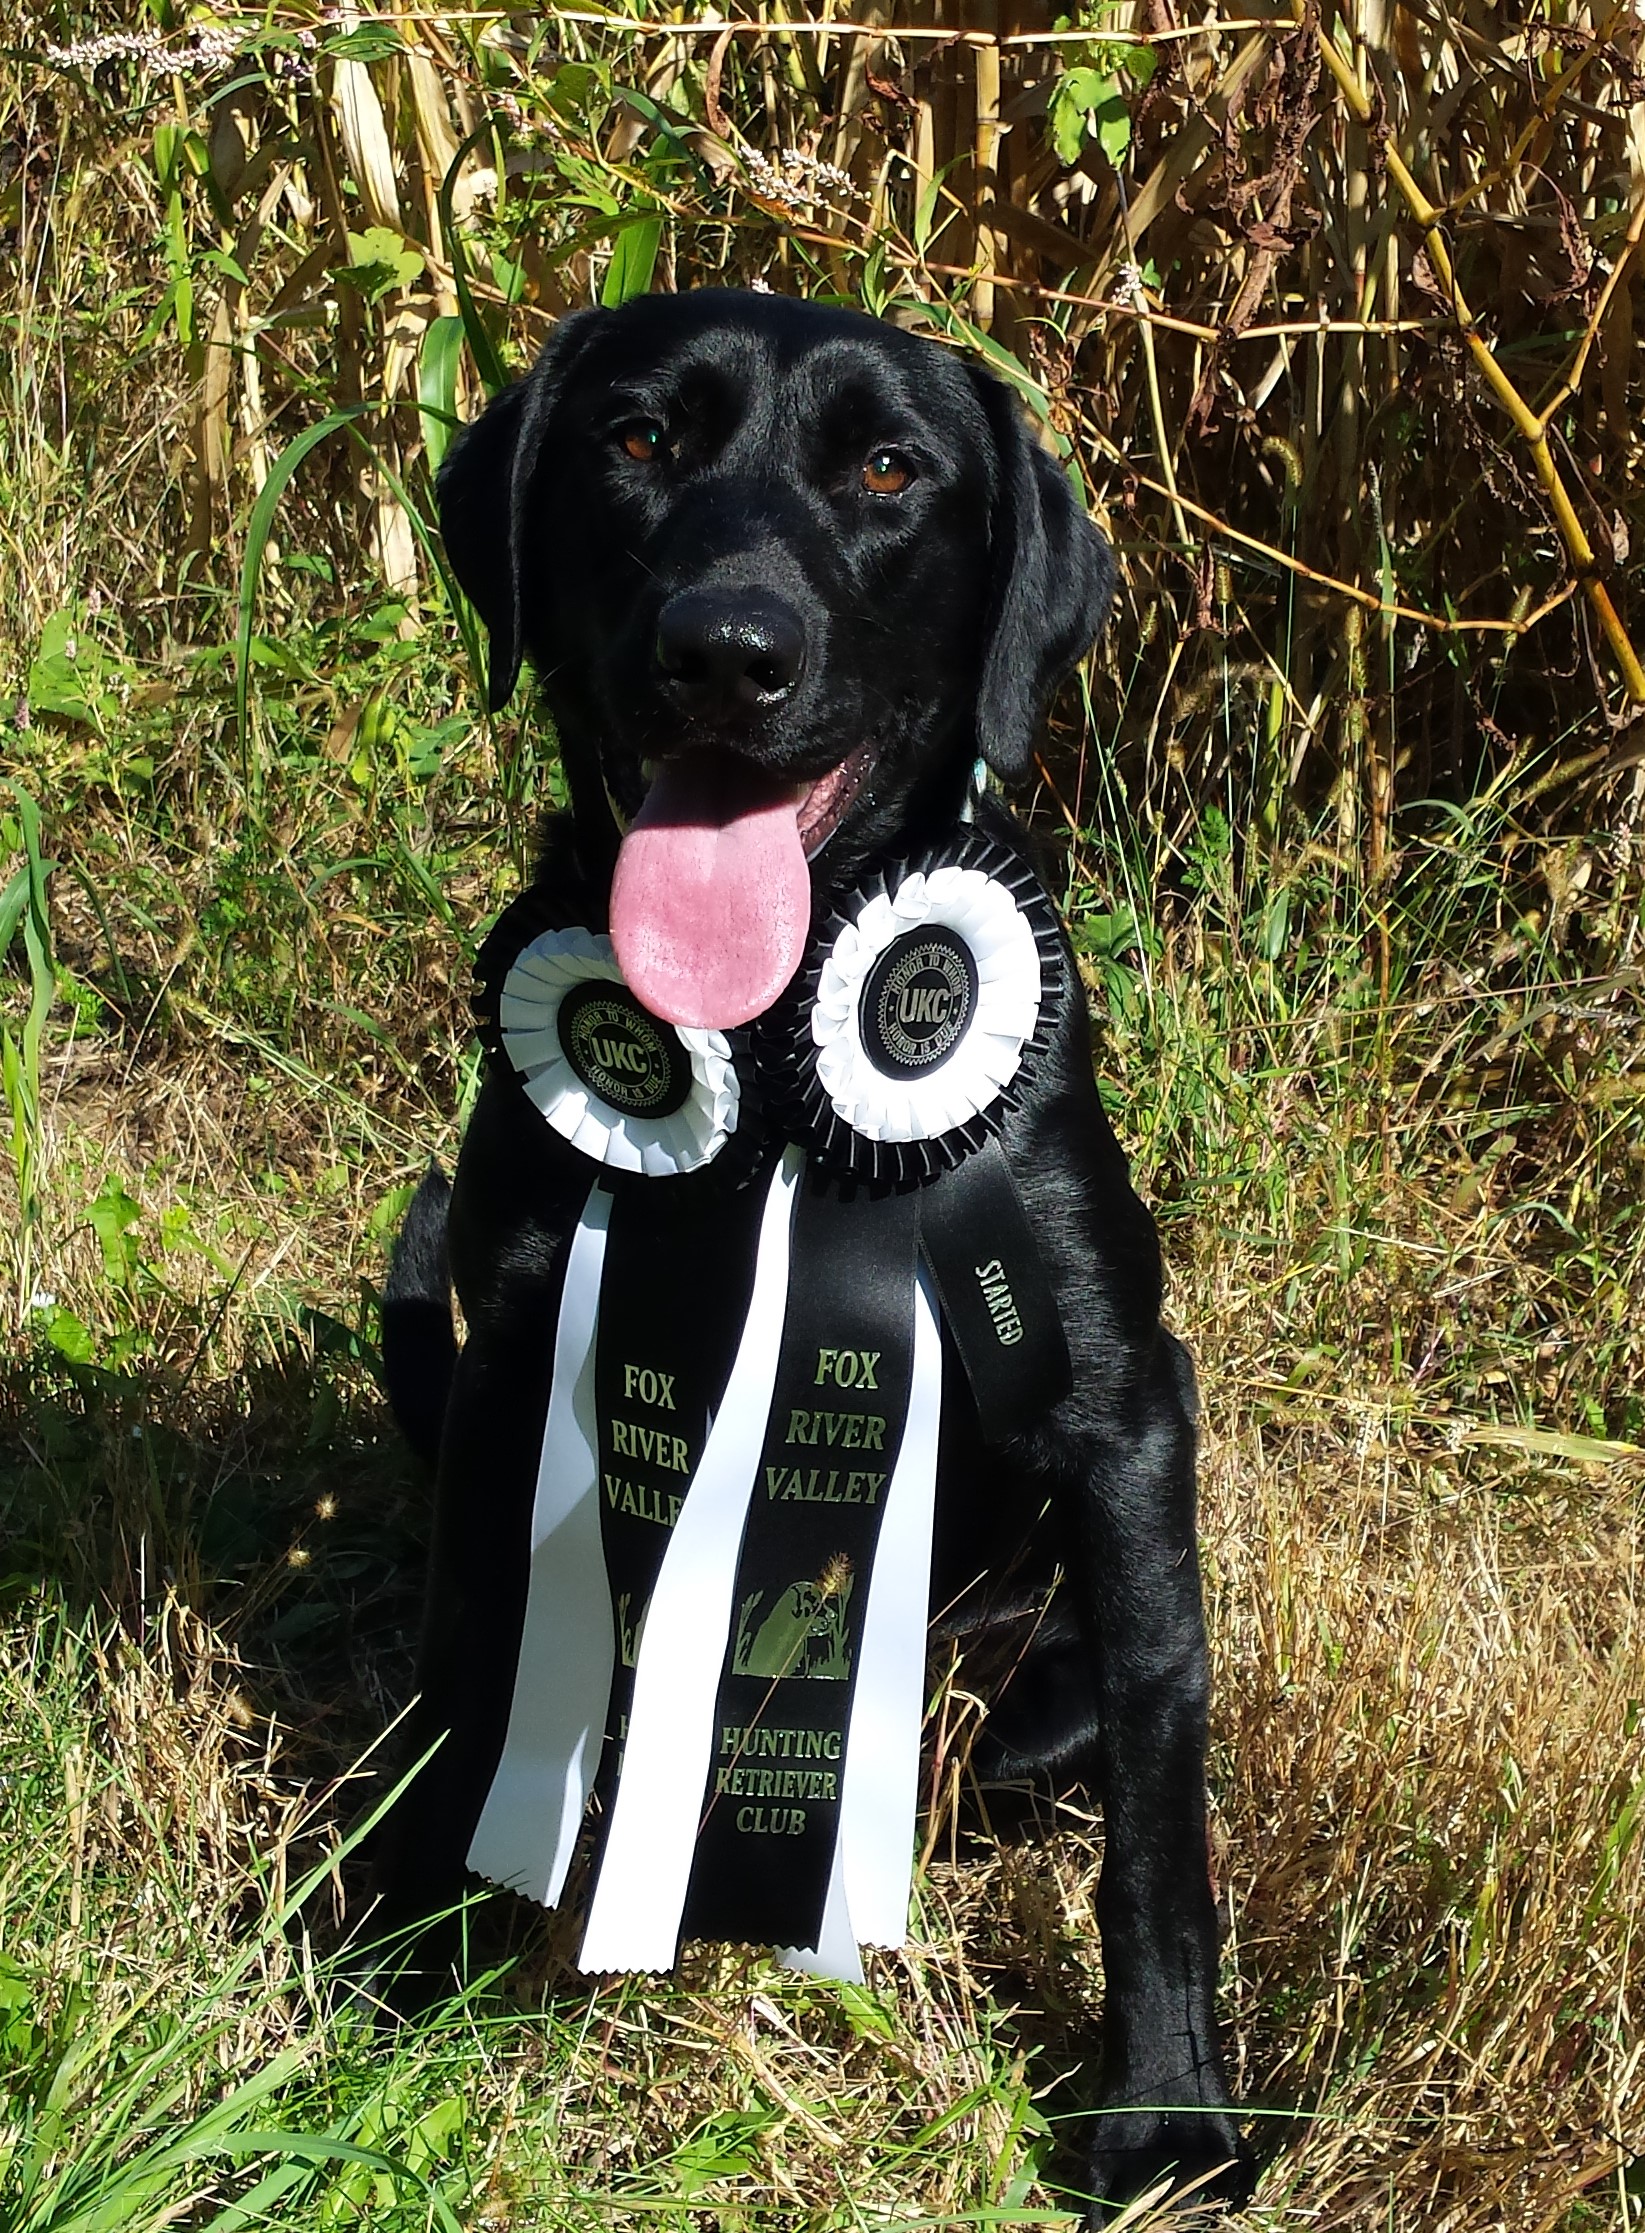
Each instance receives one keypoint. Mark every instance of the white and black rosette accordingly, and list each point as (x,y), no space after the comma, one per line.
(631,1092)
(900,1045)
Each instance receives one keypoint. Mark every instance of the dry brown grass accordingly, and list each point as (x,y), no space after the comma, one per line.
(1431,1768)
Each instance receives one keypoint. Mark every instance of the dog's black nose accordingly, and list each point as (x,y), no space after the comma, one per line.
(729,653)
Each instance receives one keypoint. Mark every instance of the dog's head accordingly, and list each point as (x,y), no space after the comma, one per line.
(783,573)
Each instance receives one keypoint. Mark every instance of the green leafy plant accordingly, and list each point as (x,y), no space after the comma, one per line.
(1090,100)
(23,910)
(1089,104)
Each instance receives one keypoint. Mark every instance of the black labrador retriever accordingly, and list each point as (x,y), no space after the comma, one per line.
(752,545)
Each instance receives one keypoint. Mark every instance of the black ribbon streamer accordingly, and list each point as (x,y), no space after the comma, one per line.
(674,1292)
(997,1301)
(771,1808)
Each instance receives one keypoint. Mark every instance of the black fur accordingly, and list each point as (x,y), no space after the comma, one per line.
(419,1340)
(936,622)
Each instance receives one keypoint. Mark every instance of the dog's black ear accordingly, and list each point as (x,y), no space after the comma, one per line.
(473,487)
(1051,582)
(485,490)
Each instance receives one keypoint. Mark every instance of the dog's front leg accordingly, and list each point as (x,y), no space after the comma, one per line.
(1165,2109)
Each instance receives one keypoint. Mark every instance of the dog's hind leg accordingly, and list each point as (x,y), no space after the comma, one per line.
(1165,2109)
(419,1340)
(478,1570)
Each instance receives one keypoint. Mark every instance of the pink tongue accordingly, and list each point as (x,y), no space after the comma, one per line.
(711,901)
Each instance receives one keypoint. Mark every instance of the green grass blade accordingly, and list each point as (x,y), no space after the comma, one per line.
(491,367)
(258,530)
(437,387)
(633,259)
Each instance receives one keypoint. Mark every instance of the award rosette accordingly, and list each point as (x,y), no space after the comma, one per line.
(896,1052)
(632,1092)
(731,1533)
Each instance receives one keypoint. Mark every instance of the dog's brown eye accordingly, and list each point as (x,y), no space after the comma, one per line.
(643,440)
(887,473)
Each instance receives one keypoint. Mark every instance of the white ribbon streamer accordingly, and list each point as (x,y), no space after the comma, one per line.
(528,1827)
(634,1917)
(872,1875)
(880,1795)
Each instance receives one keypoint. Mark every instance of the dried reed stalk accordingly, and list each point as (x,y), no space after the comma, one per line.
(1274,380)
(1532,425)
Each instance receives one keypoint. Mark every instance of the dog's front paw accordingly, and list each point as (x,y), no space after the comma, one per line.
(1198,2156)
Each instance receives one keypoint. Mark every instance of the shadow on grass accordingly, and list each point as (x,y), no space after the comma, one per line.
(278,1505)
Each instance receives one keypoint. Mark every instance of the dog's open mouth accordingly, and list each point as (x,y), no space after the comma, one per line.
(711,901)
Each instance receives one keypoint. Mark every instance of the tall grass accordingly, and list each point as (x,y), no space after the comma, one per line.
(1349,828)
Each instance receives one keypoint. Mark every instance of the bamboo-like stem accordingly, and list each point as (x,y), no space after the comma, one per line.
(984,141)
(1546,110)
(822,28)
(922,147)
(1156,412)
(1531,425)
(1573,376)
